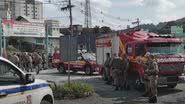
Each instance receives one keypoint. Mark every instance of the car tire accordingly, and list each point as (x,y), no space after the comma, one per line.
(88,70)
(62,69)
(45,102)
(172,85)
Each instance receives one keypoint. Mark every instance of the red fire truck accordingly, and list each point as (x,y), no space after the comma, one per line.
(168,50)
(70,57)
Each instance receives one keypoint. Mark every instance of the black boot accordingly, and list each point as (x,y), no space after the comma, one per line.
(116,89)
(153,99)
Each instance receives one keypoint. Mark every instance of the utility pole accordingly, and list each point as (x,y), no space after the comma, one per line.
(46,43)
(69,7)
(1,34)
(88,22)
(34,17)
(137,22)
(26,6)
(87,15)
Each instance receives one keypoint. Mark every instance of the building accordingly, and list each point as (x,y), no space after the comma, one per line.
(52,27)
(29,35)
(21,8)
(53,31)
(3,9)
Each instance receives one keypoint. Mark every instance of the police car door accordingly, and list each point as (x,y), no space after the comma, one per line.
(11,90)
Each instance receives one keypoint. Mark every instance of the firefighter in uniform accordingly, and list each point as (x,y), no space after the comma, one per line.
(152,73)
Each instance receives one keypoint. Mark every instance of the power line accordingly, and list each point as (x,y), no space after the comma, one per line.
(105,14)
(96,18)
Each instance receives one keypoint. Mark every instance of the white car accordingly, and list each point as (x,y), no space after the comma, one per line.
(17,87)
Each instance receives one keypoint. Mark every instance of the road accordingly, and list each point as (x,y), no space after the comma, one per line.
(105,94)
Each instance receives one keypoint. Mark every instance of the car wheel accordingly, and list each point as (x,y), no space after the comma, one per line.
(88,70)
(172,85)
(45,102)
(62,69)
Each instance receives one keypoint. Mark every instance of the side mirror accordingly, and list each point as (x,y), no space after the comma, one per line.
(29,79)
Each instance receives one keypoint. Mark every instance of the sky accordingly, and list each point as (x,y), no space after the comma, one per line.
(117,14)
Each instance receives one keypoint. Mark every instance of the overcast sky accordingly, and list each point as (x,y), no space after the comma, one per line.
(115,13)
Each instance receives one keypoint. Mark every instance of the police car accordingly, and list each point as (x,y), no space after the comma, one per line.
(17,87)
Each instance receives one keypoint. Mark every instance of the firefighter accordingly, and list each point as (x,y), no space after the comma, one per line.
(152,73)
(107,68)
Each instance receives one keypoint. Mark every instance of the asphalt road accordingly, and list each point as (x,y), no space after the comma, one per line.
(105,94)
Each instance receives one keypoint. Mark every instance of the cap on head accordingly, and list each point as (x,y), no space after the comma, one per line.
(147,54)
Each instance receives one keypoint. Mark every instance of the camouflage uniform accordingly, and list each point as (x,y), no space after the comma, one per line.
(125,68)
(14,59)
(117,72)
(28,62)
(152,72)
(37,60)
(146,79)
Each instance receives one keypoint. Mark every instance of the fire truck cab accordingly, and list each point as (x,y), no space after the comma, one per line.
(168,50)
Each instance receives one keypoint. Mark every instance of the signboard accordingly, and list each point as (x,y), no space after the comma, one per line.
(104,42)
(24,28)
(27,28)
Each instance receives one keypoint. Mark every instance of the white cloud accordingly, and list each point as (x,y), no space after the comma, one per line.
(159,6)
(128,3)
(166,17)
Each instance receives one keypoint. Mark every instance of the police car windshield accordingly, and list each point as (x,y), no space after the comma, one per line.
(166,48)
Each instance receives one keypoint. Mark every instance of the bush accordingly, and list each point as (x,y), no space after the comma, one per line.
(72,91)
